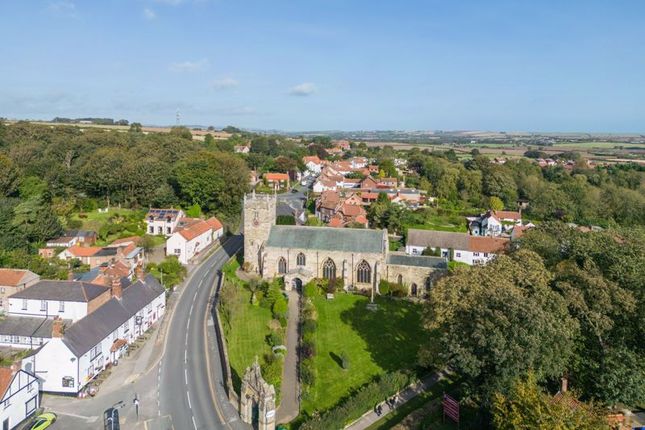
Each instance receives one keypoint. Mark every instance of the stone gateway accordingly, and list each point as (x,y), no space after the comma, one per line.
(257,400)
(358,257)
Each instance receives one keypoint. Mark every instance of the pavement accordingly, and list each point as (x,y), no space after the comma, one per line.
(289,392)
(175,374)
(403,397)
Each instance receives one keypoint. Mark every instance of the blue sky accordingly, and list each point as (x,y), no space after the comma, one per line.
(329,64)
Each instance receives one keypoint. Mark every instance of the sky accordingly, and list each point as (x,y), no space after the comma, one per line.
(303,65)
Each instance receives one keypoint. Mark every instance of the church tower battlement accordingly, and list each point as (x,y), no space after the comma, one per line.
(259,216)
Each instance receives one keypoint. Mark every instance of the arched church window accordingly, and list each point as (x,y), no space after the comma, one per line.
(300,259)
(364,272)
(329,269)
(399,280)
(282,265)
(413,290)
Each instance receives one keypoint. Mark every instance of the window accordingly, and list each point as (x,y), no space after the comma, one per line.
(160,230)
(282,265)
(475,254)
(68,382)
(151,229)
(399,280)
(458,254)
(177,251)
(7,403)
(15,339)
(95,352)
(43,305)
(413,290)
(61,306)
(300,259)
(364,272)
(30,406)
(329,269)
(485,254)
(24,304)
(168,230)
(2,290)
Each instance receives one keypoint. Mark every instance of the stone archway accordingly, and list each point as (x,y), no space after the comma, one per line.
(296,284)
(257,400)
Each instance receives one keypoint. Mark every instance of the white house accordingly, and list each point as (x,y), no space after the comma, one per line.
(20,397)
(313,164)
(163,221)
(494,223)
(195,236)
(75,355)
(460,247)
(68,300)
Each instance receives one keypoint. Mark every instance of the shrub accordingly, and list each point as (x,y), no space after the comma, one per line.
(311,289)
(398,290)
(309,326)
(307,372)
(308,349)
(280,308)
(364,399)
(274,339)
(283,320)
(384,287)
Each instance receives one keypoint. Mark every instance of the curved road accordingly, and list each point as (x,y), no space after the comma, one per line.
(190,381)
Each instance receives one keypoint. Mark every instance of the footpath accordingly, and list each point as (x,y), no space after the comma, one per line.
(289,391)
(403,397)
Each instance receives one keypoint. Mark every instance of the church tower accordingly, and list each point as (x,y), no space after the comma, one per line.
(259,216)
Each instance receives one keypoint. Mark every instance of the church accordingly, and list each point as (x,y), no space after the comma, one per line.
(360,257)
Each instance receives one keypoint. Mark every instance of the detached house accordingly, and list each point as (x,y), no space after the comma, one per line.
(20,398)
(12,281)
(277,180)
(494,223)
(163,221)
(192,237)
(460,247)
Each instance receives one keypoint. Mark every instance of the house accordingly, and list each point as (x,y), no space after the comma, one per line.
(342,144)
(277,180)
(61,242)
(69,300)
(83,237)
(106,273)
(163,221)
(13,281)
(242,149)
(79,252)
(460,247)
(387,183)
(313,164)
(20,398)
(192,237)
(76,354)
(494,223)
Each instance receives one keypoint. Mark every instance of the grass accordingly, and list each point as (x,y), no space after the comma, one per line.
(376,343)
(441,226)
(95,221)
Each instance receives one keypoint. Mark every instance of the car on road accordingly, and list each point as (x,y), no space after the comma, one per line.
(43,421)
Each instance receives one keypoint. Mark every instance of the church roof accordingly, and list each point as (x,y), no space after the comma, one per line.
(326,239)
(417,261)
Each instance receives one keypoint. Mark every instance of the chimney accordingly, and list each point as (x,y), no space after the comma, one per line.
(117,290)
(57,327)
(139,272)
(564,385)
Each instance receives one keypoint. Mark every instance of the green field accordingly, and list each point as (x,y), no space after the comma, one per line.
(376,343)
(121,222)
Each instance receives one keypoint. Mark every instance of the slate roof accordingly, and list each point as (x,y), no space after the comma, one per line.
(441,239)
(66,291)
(106,252)
(326,238)
(417,261)
(28,326)
(90,330)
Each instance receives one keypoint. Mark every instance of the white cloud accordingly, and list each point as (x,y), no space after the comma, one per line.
(149,14)
(224,83)
(189,66)
(302,90)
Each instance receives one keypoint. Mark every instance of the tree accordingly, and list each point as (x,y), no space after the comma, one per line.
(209,140)
(170,271)
(135,127)
(182,132)
(528,407)
(492,324)
(215,181)
(495,203)
(9,177)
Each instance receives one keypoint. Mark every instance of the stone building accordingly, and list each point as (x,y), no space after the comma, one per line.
(360,257)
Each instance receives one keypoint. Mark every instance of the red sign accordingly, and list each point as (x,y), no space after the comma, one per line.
(450,408)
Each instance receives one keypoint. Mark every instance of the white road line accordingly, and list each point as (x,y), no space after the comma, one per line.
(186,375)
(194,424)
(185,356)
(188,397)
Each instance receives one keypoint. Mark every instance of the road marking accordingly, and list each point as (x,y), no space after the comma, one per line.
(194,424)
(188,396)
(185,356)
(186,375)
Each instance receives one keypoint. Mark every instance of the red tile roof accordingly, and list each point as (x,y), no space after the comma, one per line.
(276,176)
(6,376)
(336,222)
(514,215)
(195,229)
(214,223)
(312,158)
(11,277)
(83,251)
(487,244)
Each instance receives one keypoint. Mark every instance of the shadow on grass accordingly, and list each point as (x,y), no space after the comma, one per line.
(336,359)
(393,332)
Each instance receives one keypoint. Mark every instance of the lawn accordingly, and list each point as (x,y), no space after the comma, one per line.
(120,221)
(376,343)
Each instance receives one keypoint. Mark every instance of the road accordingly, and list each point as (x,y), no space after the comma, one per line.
(191,391)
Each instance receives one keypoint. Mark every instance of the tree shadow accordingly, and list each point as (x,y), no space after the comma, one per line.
(336,358)
(393,333)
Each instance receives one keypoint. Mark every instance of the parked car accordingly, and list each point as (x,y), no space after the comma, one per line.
(43,421)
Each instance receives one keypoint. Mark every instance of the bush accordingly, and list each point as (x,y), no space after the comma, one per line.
(307,372)
(274,339)
(74,223)
(398,290)
(308,349)
(311,289)
(364,399)
(280,308)
(384,287)
(309,326)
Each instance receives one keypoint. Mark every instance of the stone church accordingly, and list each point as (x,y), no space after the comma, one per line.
(360,257)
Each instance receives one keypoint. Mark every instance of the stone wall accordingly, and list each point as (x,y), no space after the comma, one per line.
(346,263)
(412,275)
(259,216)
